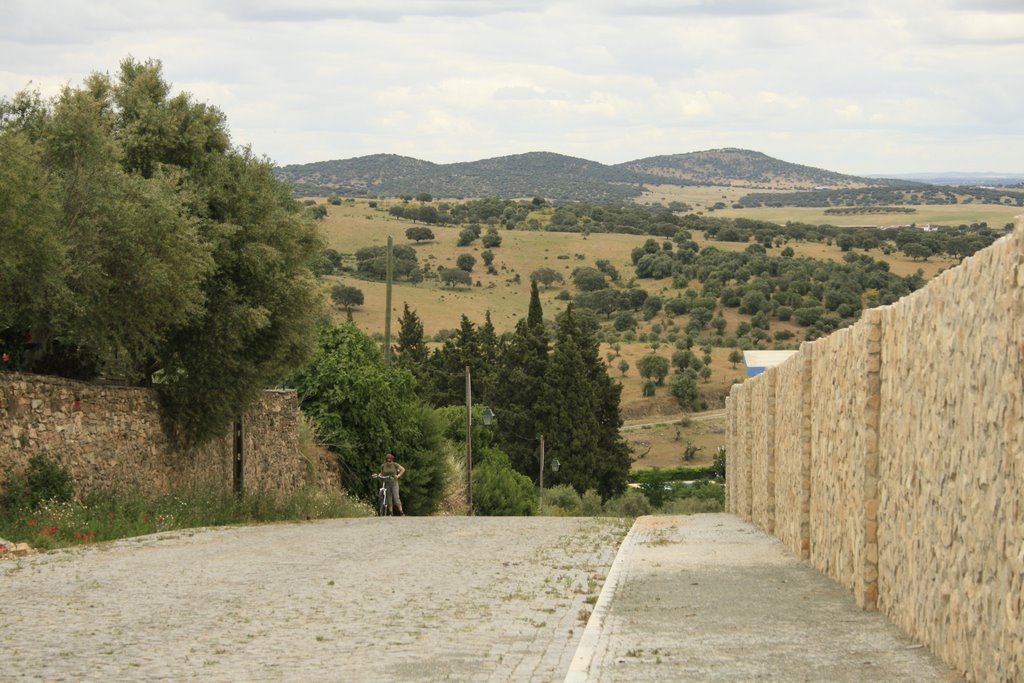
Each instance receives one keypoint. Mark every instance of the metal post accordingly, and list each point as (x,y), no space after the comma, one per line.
(387,306)
(469,441)
(542,474)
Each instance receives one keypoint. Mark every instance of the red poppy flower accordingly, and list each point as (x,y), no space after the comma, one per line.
(31,522)
(145,518)
(6,358)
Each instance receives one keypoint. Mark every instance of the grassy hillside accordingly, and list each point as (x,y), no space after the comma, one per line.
(742,167)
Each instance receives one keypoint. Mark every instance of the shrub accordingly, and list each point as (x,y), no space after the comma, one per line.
(500,490)
(43,479)
(632,503)
(564,497)
(590,503)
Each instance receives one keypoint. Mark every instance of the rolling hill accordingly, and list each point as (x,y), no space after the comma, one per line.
(555,176)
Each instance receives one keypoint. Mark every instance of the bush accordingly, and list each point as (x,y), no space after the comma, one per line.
(590,503)
(500,490)
(632,503)
(43,479)
(564,497)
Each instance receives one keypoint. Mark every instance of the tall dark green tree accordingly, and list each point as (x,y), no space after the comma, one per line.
(523,368)
(411,350)
(579,412)
(448,366)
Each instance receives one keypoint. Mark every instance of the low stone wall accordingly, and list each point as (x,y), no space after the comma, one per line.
(112,437)
(898,460)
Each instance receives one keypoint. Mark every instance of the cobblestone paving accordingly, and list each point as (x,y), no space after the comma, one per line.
(400,599)
(711,598)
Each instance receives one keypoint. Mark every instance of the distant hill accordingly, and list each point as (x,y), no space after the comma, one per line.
(553,176)
(741,167)
(556,176)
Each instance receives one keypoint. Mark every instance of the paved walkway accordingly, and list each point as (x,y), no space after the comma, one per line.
(395,599)
(710,598)
(705,598)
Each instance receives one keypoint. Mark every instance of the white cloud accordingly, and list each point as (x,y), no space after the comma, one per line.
(872,87)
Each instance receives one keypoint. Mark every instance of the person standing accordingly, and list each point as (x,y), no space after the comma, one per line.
(393,471)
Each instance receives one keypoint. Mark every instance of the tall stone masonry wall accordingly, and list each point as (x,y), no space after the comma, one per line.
(112,437)
(898,456)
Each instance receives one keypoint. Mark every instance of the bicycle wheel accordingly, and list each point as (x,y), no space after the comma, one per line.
(382,503)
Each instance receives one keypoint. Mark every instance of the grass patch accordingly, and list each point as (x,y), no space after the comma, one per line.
(110,515)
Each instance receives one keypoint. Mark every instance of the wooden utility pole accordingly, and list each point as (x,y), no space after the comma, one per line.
(387,306)
(469,441)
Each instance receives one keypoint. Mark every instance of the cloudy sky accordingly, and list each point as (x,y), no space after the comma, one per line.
(873,86)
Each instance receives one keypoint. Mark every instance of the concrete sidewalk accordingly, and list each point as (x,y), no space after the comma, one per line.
(712,598)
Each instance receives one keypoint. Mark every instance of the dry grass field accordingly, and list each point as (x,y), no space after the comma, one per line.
(702,198)
(355,224)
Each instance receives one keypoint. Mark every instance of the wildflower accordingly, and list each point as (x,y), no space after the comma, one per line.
(78,534)
(3,548)
(92,535)
(78,404)
(28,338)
(110,515)
(6,358)
(145,518)
(31,522)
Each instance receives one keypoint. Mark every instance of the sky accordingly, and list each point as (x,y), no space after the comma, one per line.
(866,87)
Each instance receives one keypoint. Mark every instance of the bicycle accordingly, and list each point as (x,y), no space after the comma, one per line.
(384,504)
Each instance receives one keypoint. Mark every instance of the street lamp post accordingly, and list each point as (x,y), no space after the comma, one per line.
(554,468)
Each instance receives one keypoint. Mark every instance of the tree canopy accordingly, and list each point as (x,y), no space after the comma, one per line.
(138,243)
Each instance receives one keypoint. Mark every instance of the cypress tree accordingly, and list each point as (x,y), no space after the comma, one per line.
(523,365)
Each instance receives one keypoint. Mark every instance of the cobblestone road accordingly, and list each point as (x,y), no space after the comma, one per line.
(405,599)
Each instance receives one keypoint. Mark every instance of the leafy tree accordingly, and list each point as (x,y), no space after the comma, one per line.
(466,237)
(329,263)
(653,366)
(318,212)
(456,276)
(488,257)
(424,197)
(735,357)
(546,276)
(684,387)
(170,254)
(589,279)
(492,239)
(373,261)
(419,233)
(364,409)
(347,296)
(465,262)
(623,366)
(624,320)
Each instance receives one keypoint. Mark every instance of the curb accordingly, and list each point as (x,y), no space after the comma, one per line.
(579,668)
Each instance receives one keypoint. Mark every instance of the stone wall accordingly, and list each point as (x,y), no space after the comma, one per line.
(898,454)
(111,437)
